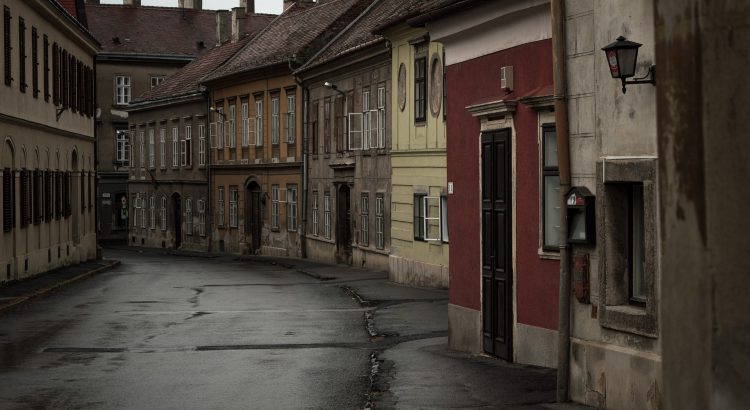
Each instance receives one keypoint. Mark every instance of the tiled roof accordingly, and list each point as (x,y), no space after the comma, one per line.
(298,32)
(360,34)
(168,31)
(411,9)
(187,80)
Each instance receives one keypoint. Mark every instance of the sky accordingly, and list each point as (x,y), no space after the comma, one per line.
(261,6)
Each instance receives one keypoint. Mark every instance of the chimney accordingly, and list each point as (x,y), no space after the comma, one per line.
(190,4)
(238,23)
(248,5)
(222,26)
(135,3)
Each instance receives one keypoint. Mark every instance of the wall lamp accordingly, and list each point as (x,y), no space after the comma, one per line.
(213,109)
(332,86)
(622,56)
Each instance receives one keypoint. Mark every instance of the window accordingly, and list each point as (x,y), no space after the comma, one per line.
(163,147)
(291,130)
(22,54)
(275,120)
(259,122)
(219,134)
(313,124)
(315,213)
(550,191)
(355,130)
(231,131)
(151,149)
(175,147)
(327,215)
(136,209)
(6,45)
(367,117)
(379,221)
(220,207)
(202,217)
(291,208)
(364,232)
(420,89)
(327,125)
(201,144)
(163,213)
(122,90)
(152,212)
(245,125)
(156,80)
(130,149)
(381,117)
(122,148)
(187,145)
(339,108)
(419,216)
(275,207)
(143,210)
(233,200)
(189,217)
(35,62)
(142,152)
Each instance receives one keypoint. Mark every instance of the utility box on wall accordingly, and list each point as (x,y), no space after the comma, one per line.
(581,208)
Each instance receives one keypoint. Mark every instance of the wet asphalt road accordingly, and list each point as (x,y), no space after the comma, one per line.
(173,332)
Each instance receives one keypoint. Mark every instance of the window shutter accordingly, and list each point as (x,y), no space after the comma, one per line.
(355,131)
(212,134)
(251,131)
(24,198)
(373,128)
(7,200)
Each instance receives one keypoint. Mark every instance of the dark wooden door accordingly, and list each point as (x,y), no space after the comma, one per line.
(343,224)
(497,275)
(254,223)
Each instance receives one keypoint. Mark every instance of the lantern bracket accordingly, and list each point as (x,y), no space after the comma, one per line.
(649,78)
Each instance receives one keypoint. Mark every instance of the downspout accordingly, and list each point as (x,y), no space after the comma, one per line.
(563,160)
(303,228)
(209,154)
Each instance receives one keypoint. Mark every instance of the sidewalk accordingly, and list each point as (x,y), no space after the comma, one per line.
(412,366)
(15,293)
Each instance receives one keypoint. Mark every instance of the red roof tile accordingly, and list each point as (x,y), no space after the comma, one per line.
(298,32)
(187,80)
(167,31)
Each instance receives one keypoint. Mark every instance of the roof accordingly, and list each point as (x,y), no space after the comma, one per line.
(168,31)
(76,9)
(360,34)
(412,9)
(187,80)
(295,34)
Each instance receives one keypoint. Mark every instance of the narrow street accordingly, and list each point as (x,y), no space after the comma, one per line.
(187,332)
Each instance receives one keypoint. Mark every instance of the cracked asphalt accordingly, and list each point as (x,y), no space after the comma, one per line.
(166,331)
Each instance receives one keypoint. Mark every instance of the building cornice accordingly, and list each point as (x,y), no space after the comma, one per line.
(46,128)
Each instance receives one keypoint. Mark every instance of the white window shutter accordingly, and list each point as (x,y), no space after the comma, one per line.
(251,131)
(227,134)
(355,131)
(212,134)
(373,128)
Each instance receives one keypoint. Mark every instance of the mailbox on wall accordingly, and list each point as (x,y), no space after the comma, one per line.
(581,205)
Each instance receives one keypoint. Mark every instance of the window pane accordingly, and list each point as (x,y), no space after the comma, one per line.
(550,148)
(551,211)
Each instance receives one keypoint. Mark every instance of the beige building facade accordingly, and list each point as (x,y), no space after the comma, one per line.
(47,126)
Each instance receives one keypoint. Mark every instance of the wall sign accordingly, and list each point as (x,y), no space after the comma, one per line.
(402,86)
(436,84)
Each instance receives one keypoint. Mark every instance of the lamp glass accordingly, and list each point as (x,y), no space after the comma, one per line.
(627,58)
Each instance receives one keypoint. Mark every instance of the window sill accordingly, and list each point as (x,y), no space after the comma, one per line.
(629,318)
(549,255)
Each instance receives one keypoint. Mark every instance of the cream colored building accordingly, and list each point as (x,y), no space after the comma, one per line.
(419,237)
(47,128)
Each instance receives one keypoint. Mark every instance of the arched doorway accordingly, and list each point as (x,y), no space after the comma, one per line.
(343,225)
(177,212)
(253,216)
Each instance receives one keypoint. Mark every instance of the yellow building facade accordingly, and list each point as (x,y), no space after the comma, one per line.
(419,247)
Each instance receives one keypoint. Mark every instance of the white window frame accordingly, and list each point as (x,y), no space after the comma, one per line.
(201,217)
(163,213)
(259,123)
(275,120)
(364,213)
(122,146)
(234,198)
(381,117)
(143,210)
(380,221)
(136,209)
(122,89)
(142,153)
(327,215)
(549,170)
(151,149)
(231,131)
(189,216)
(202,144)
(275,207)
(155,80)
(291,131)
(184,154)
(175,147)
(163,147)
(291,207)
(315,227)
(219,128)
(427,218)
(245,124)
(220,207)
(131,156)
(355,129)
(152,212)
(366,120)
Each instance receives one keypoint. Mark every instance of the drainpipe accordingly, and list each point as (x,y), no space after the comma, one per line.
(209,205)
(303,228)
(563,159)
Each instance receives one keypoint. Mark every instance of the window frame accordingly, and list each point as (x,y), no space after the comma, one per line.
(122,89)
(420,88)
(275,207)
(291,208)
(234,198)
(201,144)
(327,215)
(220,207)
(315,216)
(275,120)
(291,118)
(163,147)
(189,216)
(364,215)
(418,216)
(175,146)
(122,148)
(548,171)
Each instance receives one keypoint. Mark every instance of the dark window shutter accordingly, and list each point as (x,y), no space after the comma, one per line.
(22,54)
(91,190)
(82,178)
(25,214)
(45,81)
(48,195)
(68,196)
(37,198)
(35,62)
(6,45)
(7,200)
(55,74)
(58,194)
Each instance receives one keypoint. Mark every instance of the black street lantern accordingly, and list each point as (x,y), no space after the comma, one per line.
(622,56)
